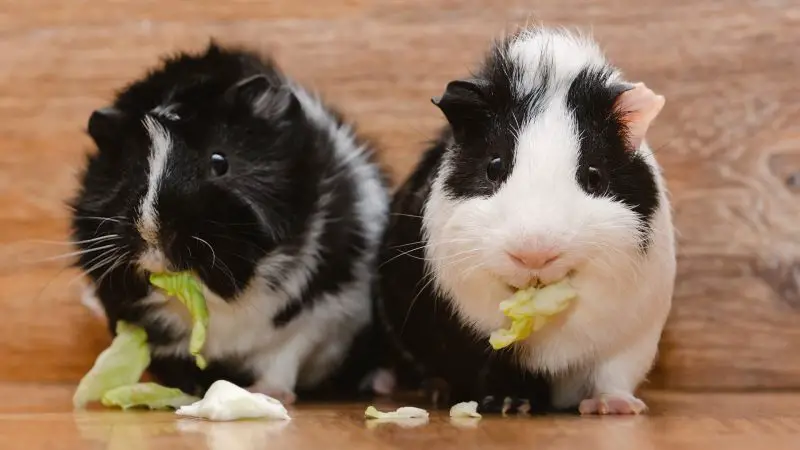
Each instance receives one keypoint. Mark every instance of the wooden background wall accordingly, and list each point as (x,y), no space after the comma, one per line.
(729,138)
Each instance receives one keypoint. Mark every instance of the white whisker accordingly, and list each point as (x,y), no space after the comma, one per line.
(117,262)
(101,263)
(108,237)
(78,253)
(213,253)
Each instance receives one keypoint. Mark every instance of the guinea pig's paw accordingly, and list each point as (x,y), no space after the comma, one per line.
(284,396)
(617,404)
(383,382)
(436,391)
(506,406)
(90,300)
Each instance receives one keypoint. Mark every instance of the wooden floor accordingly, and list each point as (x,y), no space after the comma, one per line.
(40,418)
(729,139)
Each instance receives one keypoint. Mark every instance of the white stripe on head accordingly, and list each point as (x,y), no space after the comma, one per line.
(166,111)
(557,54)
(161,145)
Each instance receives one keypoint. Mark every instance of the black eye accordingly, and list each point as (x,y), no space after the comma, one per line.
(496,169)
(595,181)
(219,165)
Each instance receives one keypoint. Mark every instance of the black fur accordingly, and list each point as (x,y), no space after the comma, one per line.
(604,145)
(428,341)
(282,178)
(343,245)
(183,373)
(484,114)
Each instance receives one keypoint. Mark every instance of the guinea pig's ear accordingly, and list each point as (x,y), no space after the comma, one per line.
(105,125)
(638,106)
(463,102)
(265,96)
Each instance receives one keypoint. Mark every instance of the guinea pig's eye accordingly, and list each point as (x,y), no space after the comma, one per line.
(496,169)
(595,182)
(219,164)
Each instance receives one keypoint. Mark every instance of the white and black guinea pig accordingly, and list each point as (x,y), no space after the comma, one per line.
(218,164)
(543,173)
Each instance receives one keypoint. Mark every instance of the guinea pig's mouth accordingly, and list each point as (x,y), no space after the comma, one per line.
(153,260)
(535,279)
(514,283)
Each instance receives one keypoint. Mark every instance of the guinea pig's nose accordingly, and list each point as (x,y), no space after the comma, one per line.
(533,259)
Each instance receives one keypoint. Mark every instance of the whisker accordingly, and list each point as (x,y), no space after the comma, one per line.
(227,271)
(107,237)
(431,244)
(115,219)
(100,256)
(414,301)
(432,278)
(407,253)
(101,263)
(228,238)
(244,224)
(244,258)
(401,255)
(103,220)
(49,283)
(77,253)
(118,262)
(413,216)
(213,253)
(472,270)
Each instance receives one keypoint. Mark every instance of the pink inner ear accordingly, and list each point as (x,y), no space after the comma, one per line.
(639,106)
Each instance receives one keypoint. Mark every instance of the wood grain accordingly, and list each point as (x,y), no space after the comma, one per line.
(675,422)
(729,139)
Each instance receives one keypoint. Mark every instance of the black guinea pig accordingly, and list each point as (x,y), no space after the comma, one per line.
(543,175)
(219,164)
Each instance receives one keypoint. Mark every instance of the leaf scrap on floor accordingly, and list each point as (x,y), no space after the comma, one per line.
(465,410)
(224,401)
(405,412)
(113,379)
(121,364)
(150,395)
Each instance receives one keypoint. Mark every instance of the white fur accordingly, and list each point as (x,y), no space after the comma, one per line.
(536,47)
(606,342)
(307,349)
(90,300)
(167,111)
(160,148)
(153,260)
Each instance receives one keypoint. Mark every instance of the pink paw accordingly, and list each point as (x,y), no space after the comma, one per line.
(612,404)
(283,396)
(383,382)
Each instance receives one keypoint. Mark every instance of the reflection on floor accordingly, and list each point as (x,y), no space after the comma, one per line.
(40,417)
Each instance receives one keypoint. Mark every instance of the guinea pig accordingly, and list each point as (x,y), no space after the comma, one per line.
(219,164)
(543,173)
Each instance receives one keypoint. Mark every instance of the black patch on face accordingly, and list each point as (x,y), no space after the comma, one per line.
(605,154)
(243,213)
(485,115)
(427,339)
(278,166)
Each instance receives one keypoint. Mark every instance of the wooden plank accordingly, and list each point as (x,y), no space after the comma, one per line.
(675,422)
(43,15)
(728,138)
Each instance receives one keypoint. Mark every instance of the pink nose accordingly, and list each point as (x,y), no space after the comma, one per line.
(533,259)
